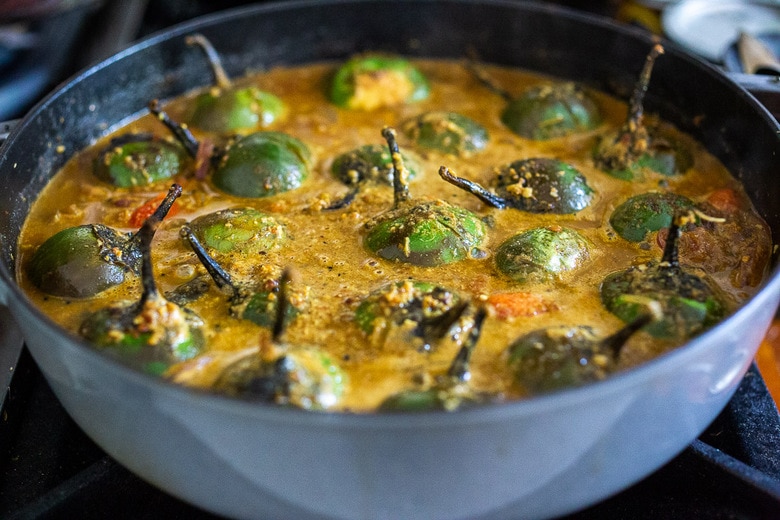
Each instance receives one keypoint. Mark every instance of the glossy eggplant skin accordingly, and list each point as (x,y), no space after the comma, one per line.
(688,302)
(150,333)
(78,262)
(416,305)
(448,391)
(139,160)
(114,330)
(551,111)
(263,164)
(690,305)
(543,185)
(429,234)
(637,149)
(445,398)
(637,216)
(241,230)
(541,254)
(446,132)
(82,261)
(663,156)
(422,232)
(558,357)
(256,301)
(288,374)
(302,377)
(224,107)
(239,109)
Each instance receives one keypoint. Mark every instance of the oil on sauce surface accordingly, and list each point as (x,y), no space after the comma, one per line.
(326,250)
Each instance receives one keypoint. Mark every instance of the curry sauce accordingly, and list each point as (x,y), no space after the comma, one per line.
(335,271)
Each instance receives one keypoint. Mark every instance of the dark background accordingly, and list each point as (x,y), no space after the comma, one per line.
(44,42)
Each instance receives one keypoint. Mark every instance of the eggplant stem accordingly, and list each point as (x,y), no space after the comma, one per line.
(615,342)
(181,132)
(282,305)
(636,104)
(174,192)
(436,328)
(145,236)
(221,277)
(220,76)
(400,173)
(346,200)
(135,242)
(671,254)
(486,80)
(459,369)
(475,189)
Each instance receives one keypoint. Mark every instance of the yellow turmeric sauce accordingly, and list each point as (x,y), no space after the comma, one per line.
(326,250)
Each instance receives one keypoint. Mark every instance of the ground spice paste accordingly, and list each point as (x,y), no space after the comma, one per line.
(331,354)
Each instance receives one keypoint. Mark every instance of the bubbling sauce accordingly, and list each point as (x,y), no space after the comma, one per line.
(325,249)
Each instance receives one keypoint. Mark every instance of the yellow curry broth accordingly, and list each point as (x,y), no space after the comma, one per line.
(325,246)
